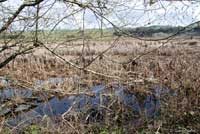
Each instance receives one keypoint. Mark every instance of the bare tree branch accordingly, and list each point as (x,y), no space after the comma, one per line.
(12,18)
(13,56)
(2,1)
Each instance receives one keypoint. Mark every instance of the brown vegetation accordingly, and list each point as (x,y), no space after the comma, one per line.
(175,65)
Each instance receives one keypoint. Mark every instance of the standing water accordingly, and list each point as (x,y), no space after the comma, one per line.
(32,107)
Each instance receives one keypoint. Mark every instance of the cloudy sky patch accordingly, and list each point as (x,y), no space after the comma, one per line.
(125,13)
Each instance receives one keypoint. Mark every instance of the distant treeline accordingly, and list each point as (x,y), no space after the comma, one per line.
(11,36)
(156,30)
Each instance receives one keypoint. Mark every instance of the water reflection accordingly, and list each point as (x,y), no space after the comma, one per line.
(56,106)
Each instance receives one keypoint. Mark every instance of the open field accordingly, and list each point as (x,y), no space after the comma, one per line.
(135,64)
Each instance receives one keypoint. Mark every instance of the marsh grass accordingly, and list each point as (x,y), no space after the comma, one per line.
(175,66)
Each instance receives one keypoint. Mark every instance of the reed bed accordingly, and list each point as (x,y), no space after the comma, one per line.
(175,65)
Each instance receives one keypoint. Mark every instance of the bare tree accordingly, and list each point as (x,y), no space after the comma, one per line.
(42,18)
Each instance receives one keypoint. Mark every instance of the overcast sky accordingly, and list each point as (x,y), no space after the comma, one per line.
(133,13)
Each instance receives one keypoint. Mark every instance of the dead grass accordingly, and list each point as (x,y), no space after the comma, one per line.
(175,65)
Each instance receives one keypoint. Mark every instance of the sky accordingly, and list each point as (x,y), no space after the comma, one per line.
(125,13)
